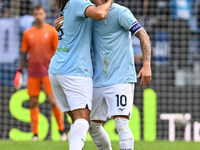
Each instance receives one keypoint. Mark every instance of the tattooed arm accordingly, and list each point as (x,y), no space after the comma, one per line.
(145,72)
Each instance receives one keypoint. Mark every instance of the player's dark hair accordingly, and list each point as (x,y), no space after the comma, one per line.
(61,4)
(38,7)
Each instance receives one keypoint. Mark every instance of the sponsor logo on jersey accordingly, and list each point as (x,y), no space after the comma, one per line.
(65,49)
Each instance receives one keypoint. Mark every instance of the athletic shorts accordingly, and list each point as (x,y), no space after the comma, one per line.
(35,85)
(72,92)
(112,101)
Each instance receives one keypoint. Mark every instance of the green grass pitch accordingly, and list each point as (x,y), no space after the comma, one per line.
(48,145)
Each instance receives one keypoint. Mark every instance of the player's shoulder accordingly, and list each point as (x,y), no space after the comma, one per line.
(120,8)
(50,26)
(30,30)
(78,1)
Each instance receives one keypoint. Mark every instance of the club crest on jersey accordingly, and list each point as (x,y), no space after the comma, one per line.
(46,36)
(32,36)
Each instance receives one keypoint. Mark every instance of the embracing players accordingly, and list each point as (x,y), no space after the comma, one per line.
(40,42)
(115,74)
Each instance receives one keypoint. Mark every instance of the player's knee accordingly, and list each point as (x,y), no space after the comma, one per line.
(120,116)
(52,100)
(99,136)
(81,114)
(94,128)
(34,102)
(53,105)
(122,126)
(71,116)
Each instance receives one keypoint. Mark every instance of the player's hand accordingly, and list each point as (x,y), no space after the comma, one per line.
(58,23)
(145,73)
(18,80)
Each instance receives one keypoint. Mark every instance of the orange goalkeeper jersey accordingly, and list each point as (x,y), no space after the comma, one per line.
(41,45)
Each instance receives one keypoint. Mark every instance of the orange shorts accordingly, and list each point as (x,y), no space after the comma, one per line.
(35,85)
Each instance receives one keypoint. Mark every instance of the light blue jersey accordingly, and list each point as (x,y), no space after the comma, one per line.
(73,53)
(113,51)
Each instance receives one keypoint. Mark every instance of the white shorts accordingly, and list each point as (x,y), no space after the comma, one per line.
(112,101)
(72,92)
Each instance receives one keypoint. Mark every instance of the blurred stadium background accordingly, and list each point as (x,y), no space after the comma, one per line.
(169,109)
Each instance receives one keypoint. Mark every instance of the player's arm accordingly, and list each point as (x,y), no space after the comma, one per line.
(18,75)
(145,72)
(94,12)
(24,51)
(54,41)
(98,12)
(22,62)
(145,45)
(130,23)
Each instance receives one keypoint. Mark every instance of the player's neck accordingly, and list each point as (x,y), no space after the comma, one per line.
(40,25)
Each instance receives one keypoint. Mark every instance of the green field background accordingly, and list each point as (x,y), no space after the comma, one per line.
(49,145)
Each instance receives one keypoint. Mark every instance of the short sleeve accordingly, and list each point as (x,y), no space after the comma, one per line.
(81,6)
(126,18)
(24,45)
(54,40)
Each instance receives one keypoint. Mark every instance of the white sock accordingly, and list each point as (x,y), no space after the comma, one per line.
(100,136)
(78,134)
(126,140)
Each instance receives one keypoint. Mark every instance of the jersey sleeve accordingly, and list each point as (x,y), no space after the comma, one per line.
(24,45)
(81,6)
(54,40)
(126,18)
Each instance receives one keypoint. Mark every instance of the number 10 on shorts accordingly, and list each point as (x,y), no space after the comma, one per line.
(121,100)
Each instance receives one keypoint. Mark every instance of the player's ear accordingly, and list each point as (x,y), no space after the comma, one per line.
(45,14)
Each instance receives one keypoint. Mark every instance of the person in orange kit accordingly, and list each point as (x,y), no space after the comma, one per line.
(40,42)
